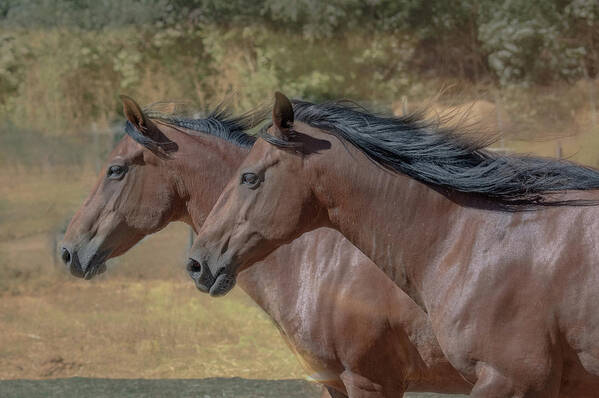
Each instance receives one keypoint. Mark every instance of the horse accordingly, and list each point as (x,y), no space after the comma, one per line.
(499,250)
(338,325)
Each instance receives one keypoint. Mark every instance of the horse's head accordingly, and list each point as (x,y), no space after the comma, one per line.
(268,202)
(133,197)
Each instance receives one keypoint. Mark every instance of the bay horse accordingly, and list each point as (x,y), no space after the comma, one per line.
(352,329)
(500,251)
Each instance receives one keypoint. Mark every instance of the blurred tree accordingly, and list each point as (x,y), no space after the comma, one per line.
(76,54)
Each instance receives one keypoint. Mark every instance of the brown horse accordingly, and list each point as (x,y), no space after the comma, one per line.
(501,257)
(349,325)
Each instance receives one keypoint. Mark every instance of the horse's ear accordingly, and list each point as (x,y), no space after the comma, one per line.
(134,114)
(282,114)
(145,131)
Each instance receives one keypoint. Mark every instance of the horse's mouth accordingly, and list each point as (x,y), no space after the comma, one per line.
(97,265)
(224,282)
(216,285)
(94,269)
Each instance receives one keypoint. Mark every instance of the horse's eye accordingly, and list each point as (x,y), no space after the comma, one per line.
(116,172)
(252,180)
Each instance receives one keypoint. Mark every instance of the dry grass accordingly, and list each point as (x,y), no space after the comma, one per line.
(146,329)
(142,318)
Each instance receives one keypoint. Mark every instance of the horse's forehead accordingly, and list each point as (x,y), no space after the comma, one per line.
(263,153)
(125,146)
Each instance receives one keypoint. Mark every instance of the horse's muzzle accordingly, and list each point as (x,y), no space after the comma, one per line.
(96,266)
(200,274)
(216,285)
(71,260)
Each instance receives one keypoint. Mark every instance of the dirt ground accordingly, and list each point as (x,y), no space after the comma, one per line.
(132,329)
(138,388)
(181,388)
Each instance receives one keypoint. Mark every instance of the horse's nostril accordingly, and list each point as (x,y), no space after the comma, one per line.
(66,256)
(200,273)
(193,266)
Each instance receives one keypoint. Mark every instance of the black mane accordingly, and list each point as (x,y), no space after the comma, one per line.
(218,123)
(448,159)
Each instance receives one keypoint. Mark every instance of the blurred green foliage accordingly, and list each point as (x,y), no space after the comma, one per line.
(63,62)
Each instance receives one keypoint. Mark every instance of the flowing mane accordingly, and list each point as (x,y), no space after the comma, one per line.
(446,158)
(218,123)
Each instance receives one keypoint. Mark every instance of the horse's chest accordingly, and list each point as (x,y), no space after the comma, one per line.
(315,351)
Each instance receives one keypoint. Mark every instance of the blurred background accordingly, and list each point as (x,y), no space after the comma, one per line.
(525,68)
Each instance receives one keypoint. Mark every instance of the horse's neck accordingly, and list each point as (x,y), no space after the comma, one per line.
(402,225)
(295,278)
(202,169)
(273,283)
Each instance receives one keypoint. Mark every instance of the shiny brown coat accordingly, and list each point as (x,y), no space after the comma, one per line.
(352,329)
(511,295)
